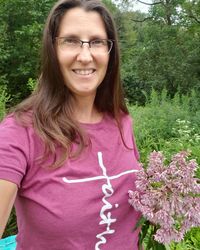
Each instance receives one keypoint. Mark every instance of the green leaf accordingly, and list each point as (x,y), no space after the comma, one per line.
(158,246)
(141,221)
(144,230)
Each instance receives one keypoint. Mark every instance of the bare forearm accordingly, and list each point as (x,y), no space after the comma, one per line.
(8,193)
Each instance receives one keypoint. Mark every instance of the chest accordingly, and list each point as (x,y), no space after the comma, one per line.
(86,199)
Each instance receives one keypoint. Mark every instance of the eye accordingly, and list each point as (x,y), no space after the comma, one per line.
(99,42)
(70,41)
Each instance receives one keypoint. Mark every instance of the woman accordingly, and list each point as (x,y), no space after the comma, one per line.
(68,156)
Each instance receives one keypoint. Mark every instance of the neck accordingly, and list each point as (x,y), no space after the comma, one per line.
(85,110)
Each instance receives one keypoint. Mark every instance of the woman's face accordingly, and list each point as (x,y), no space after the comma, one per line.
(83,69)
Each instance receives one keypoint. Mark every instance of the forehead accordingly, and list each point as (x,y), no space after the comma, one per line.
(79,22)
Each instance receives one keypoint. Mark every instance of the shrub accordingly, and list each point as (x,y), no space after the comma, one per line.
(3,99)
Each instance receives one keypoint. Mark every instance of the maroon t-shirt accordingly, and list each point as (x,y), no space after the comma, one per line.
(82,205)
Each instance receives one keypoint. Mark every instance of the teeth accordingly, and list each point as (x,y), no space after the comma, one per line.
(83,71)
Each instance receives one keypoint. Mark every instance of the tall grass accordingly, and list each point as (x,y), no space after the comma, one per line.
(168,125)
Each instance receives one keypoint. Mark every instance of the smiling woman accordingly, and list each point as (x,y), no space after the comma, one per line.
(67,153)
(83,65)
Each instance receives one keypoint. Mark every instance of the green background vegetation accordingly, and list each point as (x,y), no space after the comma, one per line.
(160,68)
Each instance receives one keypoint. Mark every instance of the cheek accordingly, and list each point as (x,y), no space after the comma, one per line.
(64,60)
(101,59)
(60,60)
(104,63)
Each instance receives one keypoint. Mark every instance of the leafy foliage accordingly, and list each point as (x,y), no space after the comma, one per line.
(3,100)
(21,25)
(162,50)
(156,123)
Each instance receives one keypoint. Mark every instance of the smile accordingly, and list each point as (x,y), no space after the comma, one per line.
(83,71)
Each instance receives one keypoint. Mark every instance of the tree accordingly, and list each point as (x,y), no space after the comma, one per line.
(21,28)
(167,50)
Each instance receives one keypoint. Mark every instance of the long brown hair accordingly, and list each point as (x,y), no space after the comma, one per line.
(50,105)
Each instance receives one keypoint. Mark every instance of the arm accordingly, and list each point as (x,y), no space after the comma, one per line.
(8,191)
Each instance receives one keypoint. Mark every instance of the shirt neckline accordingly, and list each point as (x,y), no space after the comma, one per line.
(96,125)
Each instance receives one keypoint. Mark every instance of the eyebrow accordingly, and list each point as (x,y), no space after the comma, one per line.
(93,37)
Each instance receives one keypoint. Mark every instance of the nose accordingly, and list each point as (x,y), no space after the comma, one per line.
(84,55)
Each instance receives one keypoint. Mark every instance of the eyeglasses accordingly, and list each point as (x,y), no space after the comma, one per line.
(97,46)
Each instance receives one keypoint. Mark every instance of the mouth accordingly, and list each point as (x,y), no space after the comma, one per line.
(84,72)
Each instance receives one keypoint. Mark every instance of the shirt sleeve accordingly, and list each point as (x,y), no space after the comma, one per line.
(14,151)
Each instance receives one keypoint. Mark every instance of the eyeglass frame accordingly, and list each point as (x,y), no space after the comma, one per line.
(89,42)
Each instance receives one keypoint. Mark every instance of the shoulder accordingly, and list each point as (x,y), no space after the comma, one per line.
(10,123)
(126,118)
(128,129)
(122,118)
(123,122)
(13,133)
(126,121)
(13,130)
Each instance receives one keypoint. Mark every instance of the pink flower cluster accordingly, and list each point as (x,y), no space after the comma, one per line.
(168,196)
